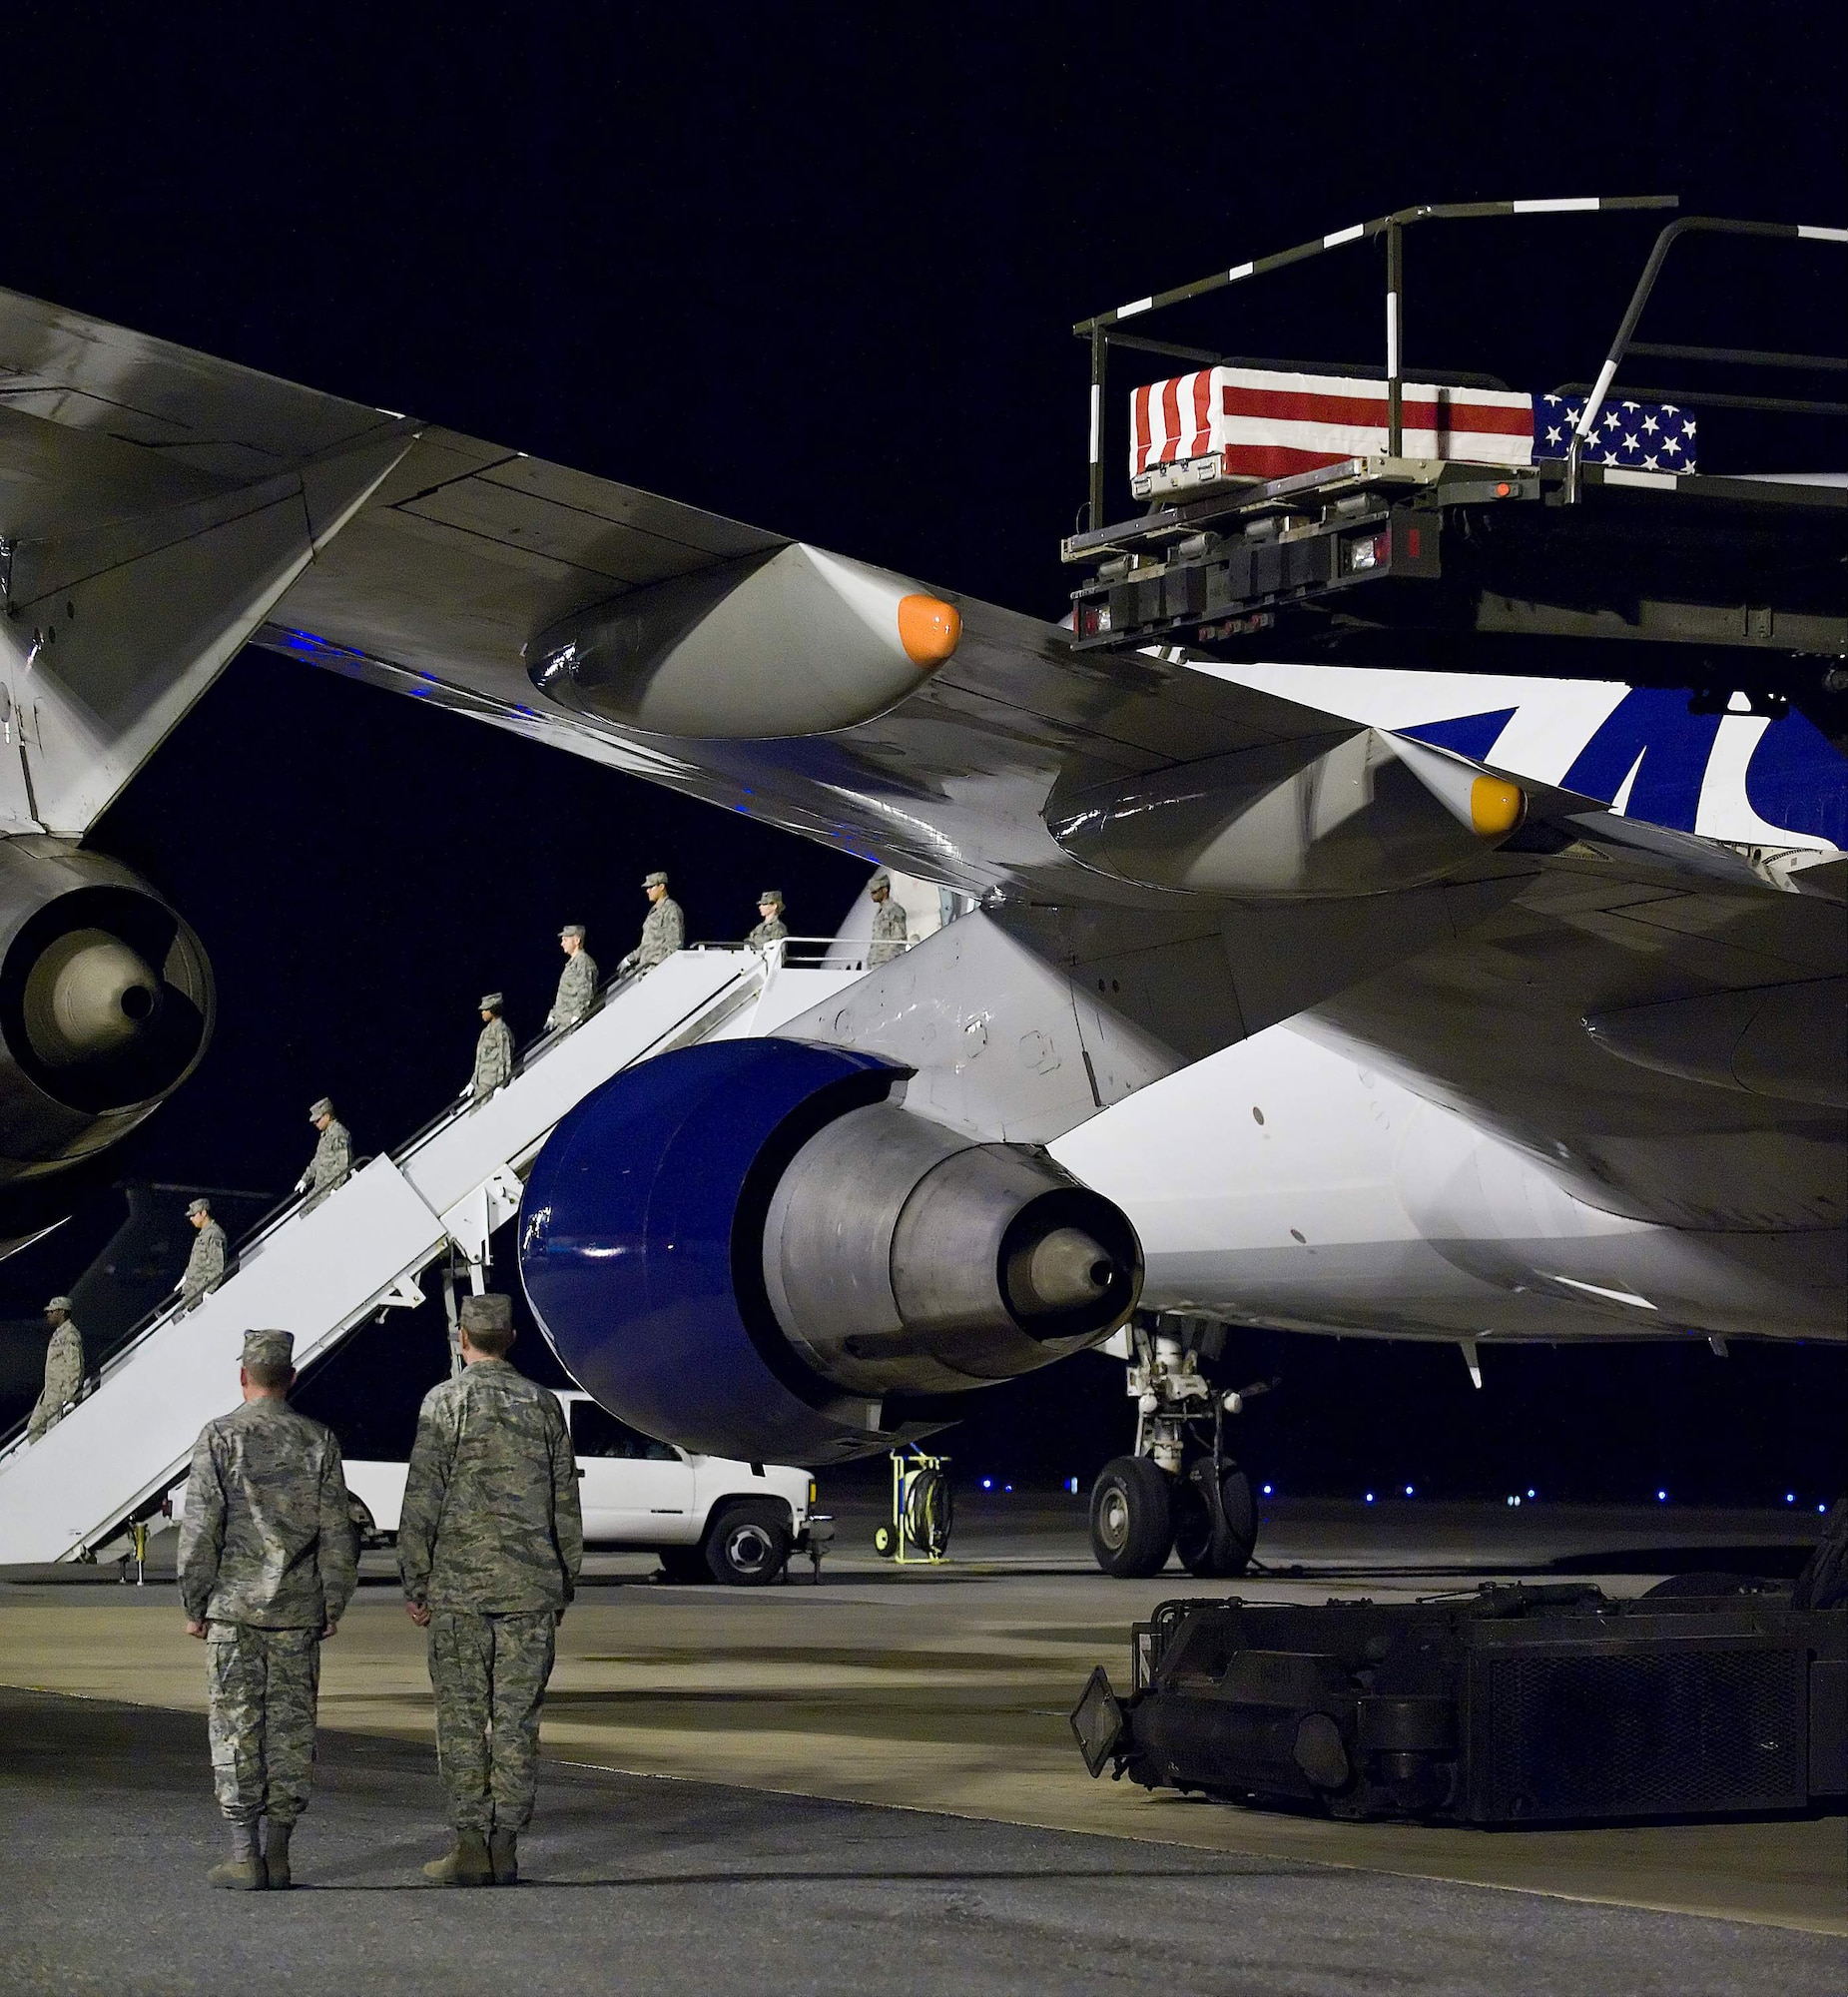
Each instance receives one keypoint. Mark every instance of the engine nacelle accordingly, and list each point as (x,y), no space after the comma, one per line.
(106,1003)
(749,1249)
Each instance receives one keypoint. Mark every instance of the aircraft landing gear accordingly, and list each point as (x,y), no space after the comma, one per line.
(1132,1517)
(1181,1491)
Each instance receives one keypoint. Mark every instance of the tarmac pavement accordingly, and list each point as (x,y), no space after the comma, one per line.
(866,1784)
(644,1885)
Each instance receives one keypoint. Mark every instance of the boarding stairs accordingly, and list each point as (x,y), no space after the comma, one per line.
(321,1268)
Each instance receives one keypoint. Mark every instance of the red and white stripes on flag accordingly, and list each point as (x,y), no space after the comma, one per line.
(1260,423)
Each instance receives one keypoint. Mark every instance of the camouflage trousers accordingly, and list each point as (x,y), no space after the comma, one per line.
(488,1674)
(264,1685)
(46,1414)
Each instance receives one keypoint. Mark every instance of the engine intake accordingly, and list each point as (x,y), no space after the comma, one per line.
(749,1249)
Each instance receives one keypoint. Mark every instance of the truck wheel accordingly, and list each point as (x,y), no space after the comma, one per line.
(1132,1517)
(748,1544)
(1206,1548)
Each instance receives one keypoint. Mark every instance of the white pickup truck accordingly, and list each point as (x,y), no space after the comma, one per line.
(708,1517)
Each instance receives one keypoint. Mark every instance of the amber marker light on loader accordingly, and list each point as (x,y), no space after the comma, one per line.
(1496,807)
(928,629)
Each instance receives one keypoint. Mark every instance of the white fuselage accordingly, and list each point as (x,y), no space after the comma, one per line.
(1288,1183)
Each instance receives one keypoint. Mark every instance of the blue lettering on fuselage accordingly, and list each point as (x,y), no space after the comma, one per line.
(1471,734)
(1653,722)
(1797,780)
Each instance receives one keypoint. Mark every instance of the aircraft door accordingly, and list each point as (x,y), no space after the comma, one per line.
(633,1489)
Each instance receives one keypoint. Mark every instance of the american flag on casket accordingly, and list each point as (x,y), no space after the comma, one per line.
(1647,437)
(1230,425)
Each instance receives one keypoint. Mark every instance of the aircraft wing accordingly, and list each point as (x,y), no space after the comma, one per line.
(441,581)
(1125,811)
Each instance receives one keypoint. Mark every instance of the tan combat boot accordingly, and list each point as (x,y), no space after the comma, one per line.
(503,1851)
(467,1865)
(242,1871)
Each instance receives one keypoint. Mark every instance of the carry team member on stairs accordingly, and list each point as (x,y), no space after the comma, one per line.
(888,923)
(771,928)
(493,1051)
(267,1562)
(205,1266)
(64,1369)
(664,927)
(332,1165)
(577,982)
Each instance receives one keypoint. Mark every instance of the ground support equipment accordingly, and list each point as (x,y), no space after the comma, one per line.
(922,1509)
(1514,1705)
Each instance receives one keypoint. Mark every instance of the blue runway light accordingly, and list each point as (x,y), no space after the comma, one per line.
(1529,1493)
(1006,1487)
(1267,1491)
(1370,1496)
(1072,1485)
(1790,1497)
(1661,1497)
(987,1483)
(1408,1491)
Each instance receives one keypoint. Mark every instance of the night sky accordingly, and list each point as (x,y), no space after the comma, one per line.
(815,269)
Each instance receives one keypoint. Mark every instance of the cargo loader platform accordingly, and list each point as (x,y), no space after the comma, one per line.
(1340,512)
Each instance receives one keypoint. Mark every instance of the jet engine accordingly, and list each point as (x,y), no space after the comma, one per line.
(106,1003)
(752,1249)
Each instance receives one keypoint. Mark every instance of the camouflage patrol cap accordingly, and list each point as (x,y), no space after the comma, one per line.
(322,1107)
(771,895)
(655,880)
(879,880)
(269,1348)
(491,1312)
(572,929)
(194,1206)
(60,1304)
(491,1001)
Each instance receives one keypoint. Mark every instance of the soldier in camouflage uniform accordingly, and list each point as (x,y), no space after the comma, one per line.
(268,1564)
(771,927)
(664,927)
(205,1266)
(331,1165)
(489,1543)
(64,1369)
(577,982)
(493,1051)
(888,923)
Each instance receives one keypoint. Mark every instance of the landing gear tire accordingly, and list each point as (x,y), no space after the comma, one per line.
(748,1545)
(1214,1548)
(1132,1517)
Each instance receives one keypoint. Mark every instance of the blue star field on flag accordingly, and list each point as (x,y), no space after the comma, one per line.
(1645,436)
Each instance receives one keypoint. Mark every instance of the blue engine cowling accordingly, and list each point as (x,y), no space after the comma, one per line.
(748,1249)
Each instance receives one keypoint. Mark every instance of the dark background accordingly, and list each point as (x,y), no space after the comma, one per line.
(815,268)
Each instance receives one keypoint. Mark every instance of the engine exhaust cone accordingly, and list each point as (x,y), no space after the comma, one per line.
(87,997)
(1062,1271)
